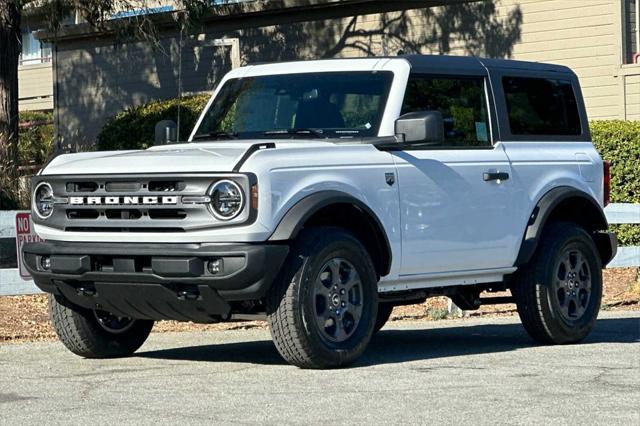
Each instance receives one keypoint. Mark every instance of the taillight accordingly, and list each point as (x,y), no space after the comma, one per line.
(606,180)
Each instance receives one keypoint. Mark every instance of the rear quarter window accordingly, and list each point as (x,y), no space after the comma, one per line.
(541,106)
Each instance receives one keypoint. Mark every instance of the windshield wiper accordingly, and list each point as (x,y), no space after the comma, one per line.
(318,133)
(216,135)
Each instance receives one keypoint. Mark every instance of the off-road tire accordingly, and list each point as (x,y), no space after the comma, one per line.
(79,330)
(384,312)
(291,304)
(536,294)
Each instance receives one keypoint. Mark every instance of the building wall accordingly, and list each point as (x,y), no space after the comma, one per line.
(99,80)
(99,77)
(583,35)
(632,94)
(586,36)
(35,87)
(35,78)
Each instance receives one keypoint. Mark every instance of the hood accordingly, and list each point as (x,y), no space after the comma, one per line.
(182,158)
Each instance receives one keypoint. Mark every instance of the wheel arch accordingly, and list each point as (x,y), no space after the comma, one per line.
(343,210)
(562,203)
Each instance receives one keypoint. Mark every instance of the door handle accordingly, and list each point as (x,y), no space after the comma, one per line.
(487,176)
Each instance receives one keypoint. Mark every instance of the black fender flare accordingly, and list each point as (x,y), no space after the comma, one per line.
(293,221)
(543,211)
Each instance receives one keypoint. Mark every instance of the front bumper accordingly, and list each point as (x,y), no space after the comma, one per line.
(156,281)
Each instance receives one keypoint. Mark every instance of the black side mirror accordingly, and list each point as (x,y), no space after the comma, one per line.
(421,126)
(165,132)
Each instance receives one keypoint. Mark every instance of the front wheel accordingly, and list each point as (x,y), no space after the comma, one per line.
(96,334)
(559,293)
(322,310)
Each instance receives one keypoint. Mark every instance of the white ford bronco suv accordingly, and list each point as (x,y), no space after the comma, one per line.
(320,194)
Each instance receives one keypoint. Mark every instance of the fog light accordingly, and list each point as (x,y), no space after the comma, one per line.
(45,262)
(214,266)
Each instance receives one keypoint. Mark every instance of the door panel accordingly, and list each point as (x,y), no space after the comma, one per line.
(455,198)
(452,219)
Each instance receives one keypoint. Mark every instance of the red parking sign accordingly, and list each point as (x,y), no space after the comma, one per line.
(24,234)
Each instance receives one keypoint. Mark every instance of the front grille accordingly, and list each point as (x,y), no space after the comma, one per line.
(75,187)
(123,214)
(166,186)
(82,214)
(122,186)
(133,203)
(167,214)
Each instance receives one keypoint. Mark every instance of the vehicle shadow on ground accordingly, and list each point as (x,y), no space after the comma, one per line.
(397,345)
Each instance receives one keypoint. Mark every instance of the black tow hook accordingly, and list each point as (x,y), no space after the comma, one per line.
(88,292)
(188,295)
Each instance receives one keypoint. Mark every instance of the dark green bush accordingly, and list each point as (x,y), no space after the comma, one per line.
(134,128)
(619,143)
(35,142)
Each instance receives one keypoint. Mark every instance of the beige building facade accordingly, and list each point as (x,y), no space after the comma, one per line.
(35,72)
(596,38)
(97,76)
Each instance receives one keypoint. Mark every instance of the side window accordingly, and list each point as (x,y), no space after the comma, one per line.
(541,106)
(462,102)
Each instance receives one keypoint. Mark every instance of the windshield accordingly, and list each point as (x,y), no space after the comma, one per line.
(329,104)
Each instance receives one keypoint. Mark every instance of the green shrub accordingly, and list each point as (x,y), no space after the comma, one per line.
(36,142)
(35,145)
(134,128)
(619,142)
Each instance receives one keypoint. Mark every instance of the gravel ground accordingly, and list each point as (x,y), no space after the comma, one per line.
(24,318)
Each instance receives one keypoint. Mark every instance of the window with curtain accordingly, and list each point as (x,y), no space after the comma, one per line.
(631,31)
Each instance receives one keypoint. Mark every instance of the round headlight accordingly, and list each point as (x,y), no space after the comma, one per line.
(43,200)
(227,199)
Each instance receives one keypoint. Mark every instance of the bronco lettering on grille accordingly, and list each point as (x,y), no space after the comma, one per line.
(99,201)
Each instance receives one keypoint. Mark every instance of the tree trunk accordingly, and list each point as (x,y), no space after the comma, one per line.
(9,55)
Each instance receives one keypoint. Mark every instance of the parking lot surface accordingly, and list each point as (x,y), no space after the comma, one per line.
(480,371)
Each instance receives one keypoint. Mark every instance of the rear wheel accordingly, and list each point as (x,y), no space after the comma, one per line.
(559,293)
(96,334)
(322,310)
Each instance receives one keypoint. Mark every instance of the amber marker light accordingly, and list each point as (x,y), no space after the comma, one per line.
(254,196)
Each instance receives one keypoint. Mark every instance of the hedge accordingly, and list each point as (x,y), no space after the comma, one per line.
(619,142)
(134,128)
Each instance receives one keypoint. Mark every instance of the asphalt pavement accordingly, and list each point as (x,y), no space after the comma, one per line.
(469,371)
